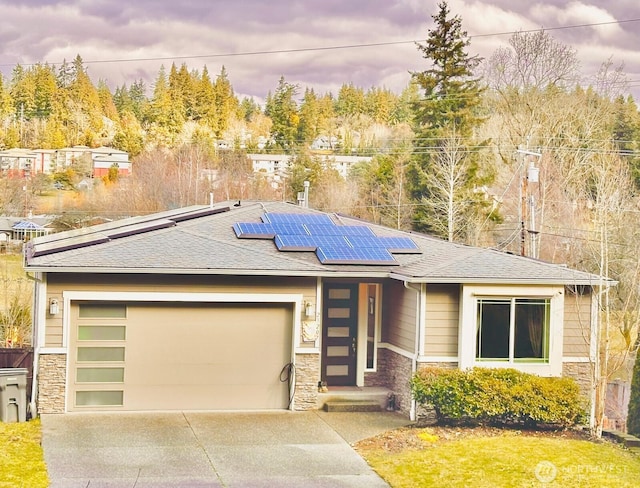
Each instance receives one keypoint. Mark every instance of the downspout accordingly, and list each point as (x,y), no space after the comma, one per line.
(419,339)
(36,325)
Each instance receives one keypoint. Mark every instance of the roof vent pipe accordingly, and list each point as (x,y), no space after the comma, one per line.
(303,196)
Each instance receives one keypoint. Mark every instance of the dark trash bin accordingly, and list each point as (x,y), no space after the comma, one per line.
(13,394)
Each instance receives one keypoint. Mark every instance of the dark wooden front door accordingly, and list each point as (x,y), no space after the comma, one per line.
(339,334)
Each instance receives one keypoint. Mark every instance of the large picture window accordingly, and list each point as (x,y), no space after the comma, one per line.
(513,329)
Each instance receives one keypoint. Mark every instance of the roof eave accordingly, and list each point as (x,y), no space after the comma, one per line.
(501,281)
(222,272)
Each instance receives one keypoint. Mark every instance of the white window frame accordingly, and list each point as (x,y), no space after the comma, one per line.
(469,322)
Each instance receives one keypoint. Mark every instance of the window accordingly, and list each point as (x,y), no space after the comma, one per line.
(103,310)
(513,330)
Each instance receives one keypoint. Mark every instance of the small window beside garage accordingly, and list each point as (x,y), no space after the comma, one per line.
(99,398)
(102,311)
(100,375)
(100,354)
(101,333)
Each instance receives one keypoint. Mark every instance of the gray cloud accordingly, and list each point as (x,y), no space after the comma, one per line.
(144,31)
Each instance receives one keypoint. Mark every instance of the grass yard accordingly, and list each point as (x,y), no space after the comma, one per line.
(492,458)
(21,457)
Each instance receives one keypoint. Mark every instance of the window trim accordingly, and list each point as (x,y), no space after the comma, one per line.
(469,317)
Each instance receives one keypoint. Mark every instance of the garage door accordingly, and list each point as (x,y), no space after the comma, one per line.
(171,356)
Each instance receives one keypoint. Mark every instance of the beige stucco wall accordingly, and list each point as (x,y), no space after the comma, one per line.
(442,318)
(399,315)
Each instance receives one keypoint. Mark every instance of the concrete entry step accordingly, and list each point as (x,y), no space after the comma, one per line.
(352,406)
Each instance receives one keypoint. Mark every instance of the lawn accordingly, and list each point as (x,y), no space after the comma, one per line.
(21,457)
(483,457)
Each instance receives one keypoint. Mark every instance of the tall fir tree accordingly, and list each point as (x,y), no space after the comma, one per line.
(447,109)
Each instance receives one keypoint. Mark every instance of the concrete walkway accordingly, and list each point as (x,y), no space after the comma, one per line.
(212,449)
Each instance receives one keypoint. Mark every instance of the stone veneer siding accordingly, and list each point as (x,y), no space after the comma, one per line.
(307,375)
(393,372)
(582,373)
(52,371)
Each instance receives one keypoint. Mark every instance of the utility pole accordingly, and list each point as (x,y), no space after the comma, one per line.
(527,205)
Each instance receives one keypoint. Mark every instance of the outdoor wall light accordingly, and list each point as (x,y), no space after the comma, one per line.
(309,310)
(54,309)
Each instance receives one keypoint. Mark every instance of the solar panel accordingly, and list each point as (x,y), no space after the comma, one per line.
(252,230)
(308,243)
(349,255)
(298,218)
(392,244)
(339,230)
(332,243)
(289,229)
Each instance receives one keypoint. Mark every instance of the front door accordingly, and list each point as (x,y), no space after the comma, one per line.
(339,334)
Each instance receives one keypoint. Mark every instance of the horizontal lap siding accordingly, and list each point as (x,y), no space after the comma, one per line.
(399,316)
(442,318)
(577,325)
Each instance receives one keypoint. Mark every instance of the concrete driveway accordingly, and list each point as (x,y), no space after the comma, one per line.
(212,449)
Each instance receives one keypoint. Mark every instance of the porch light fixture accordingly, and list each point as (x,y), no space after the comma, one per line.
(54,309)
(309,310)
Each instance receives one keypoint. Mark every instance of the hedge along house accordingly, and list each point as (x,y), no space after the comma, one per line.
(251,306)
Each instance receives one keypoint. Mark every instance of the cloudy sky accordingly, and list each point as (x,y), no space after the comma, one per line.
(313,43)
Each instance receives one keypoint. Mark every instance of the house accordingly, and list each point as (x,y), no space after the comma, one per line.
(102,158)
(278,165)
(17,229)
(17,162)
(251,305)
(24,163)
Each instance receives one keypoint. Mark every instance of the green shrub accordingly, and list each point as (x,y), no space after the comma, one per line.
(498,396)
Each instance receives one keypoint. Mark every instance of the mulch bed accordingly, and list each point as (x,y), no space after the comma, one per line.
(418,438)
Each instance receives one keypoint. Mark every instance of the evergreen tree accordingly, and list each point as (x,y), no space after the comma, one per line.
(6,103)
(164,117)
(138,96)
(204,109)
(226,103)
(380,104)
(626,133)
(122,100)
(350,101)
(128,136)
(309,117)
(448,109)
(283,110)
(23,92)
(107,104)
(248,107)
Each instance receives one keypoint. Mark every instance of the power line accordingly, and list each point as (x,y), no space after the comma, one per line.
(330,48)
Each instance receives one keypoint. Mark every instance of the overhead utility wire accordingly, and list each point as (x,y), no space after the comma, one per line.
(338,47)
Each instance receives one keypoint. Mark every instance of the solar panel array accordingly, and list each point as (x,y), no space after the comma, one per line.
(332,243)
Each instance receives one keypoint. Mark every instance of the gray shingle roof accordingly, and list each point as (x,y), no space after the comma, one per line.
(200,240)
